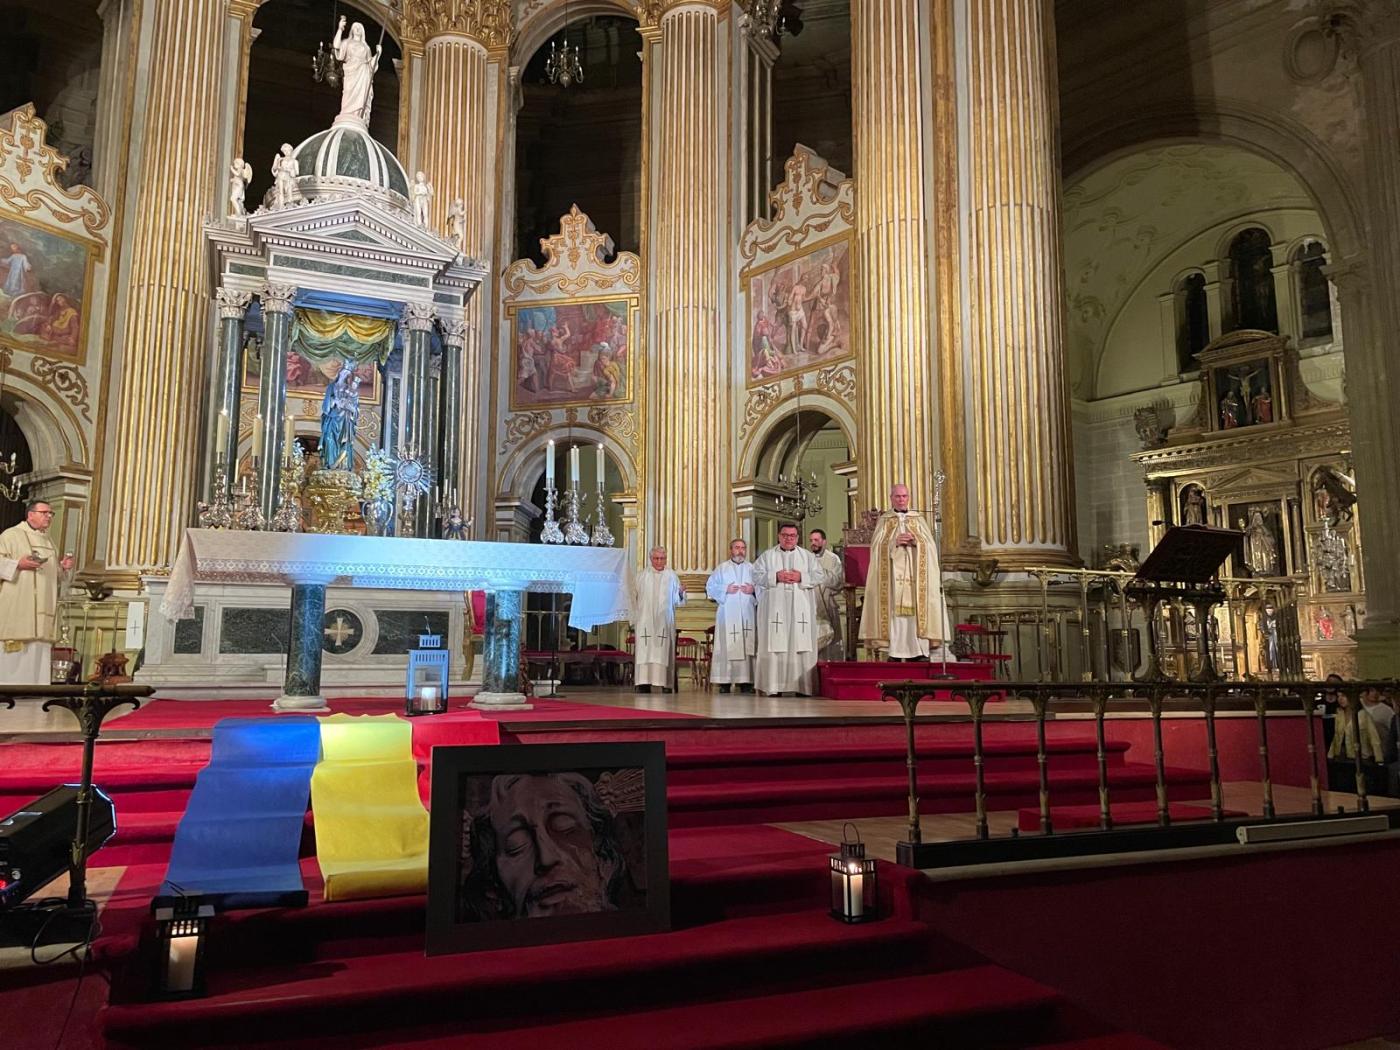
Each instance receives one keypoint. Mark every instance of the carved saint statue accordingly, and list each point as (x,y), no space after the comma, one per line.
(1268,637)
(1260,547)
(357,77)
(422,191)
(240,174)
(1231,411)
(340,413)
(457,224)
(1193,508)
(284,178)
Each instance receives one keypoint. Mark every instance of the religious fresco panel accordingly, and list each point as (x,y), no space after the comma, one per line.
(45,288)
(572,352)
(799,311)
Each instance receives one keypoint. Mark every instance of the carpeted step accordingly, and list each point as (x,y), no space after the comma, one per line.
(273,996)
(689,764)
(1114,1041)
(836,797)
(978,1008)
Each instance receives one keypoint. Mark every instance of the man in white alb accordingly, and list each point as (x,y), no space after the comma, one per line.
(829,645)
(655,594)
(731,586)
(30,572)
(904,611)
(787,578)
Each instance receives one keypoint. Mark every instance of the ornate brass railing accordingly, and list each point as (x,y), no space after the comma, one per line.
(1048,699)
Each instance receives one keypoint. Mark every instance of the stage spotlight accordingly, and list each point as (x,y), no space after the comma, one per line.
(36,841)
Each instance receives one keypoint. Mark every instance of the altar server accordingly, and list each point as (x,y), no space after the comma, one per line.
(788,579)
(731,586)
(829,645)
(655,595)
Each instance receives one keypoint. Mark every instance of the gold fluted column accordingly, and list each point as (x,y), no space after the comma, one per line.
(165,330)
(1023,488)
(688,414)
(464,59)
(898,399)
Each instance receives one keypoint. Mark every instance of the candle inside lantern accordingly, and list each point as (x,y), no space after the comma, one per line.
(184,950)
(855,891)
(601,463)
(549,465)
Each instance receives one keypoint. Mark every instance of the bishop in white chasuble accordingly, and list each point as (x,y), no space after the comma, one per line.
(731,586)
(29,577)
(788,579)
(904,611)
(655,594)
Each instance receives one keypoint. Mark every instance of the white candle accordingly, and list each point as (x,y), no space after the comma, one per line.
(257,437)
(601,462)
(855,895)
(221,434)
(290,435)
(573,464)
(549,465)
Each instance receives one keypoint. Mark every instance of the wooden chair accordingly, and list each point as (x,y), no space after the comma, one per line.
(690,653)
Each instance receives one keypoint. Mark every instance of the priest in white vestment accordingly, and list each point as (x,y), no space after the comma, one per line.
(788,580)
(655,594)
(29,577)
(904,612)
(829,645)
(731,586)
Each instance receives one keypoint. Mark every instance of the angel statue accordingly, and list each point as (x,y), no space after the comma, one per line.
(357,77)
(422,191)
(240,174)
(457,224)
(340,414)
(284,177)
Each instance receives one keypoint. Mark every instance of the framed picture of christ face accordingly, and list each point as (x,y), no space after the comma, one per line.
(798,310)
(534,844)
(45,288)
(573,352)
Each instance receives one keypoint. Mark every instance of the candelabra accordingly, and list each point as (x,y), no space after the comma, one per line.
(602,535)
(12,490)
(219,513)
(247,513)
(288,517)
(800,498)
(565,65)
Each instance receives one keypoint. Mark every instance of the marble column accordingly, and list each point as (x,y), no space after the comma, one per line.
(899,412)
(500,685)
(454,335)
(1285,275)
(276,302)
(690,512)
(1215,299)
(226,388)
(301,688)
(414,411)
(465,54)
(1369,289)
(1024,492)
(154,443)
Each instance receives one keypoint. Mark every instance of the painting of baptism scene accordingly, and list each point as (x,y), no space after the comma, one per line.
(43,288)
(699,524)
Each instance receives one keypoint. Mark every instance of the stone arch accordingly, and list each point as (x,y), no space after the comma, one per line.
(776,420)
(1283,141)
(50,427)
(517,476)
(545,20)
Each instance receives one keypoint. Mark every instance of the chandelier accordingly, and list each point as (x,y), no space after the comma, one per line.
(764,18)
(564,66)
(799,497)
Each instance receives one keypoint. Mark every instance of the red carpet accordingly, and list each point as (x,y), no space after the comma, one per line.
(173,713)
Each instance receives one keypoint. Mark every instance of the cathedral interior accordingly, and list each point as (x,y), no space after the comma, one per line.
(1088,278)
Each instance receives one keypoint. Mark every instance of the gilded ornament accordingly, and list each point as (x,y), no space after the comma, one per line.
(574,260)
(524,425)
(488,22)
(758,404)
(619,422)
(66,381)
(27,136)
(839,381)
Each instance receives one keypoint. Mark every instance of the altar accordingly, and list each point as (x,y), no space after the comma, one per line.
(597,578)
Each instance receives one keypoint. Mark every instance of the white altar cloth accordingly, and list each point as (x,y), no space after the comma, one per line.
(598,578)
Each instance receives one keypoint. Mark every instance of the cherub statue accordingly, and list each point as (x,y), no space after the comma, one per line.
(284,178)
(457,224)
(240,174)
(422,198)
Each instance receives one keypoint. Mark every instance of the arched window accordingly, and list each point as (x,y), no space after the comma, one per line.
(1192,321)
(1252,263)
(1314,290)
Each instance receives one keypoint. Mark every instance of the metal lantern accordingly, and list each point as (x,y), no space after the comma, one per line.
(855,887)
(181,931)
(428,697)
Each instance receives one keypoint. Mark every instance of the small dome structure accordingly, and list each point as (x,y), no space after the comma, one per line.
(344,160)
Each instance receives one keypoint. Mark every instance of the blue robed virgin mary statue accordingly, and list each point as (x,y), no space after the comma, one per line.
(340,413)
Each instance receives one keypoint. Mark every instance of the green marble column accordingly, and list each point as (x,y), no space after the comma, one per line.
(301,687)
(500,686)
(272,390)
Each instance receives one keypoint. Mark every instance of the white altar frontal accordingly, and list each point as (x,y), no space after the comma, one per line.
(215,568)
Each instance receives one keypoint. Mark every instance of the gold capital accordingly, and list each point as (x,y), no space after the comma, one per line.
(488,22)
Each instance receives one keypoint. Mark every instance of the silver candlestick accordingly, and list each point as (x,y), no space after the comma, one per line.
(219,513)
(574,532)
(602,535)
(551,532)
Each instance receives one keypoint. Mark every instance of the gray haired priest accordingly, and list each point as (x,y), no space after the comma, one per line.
(788,578)
(731,586)
(656,592)
(903,611)
(29,578)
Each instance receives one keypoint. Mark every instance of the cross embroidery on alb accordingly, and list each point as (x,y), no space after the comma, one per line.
(802,623)
(777,619)
(735,634)
(646,638)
